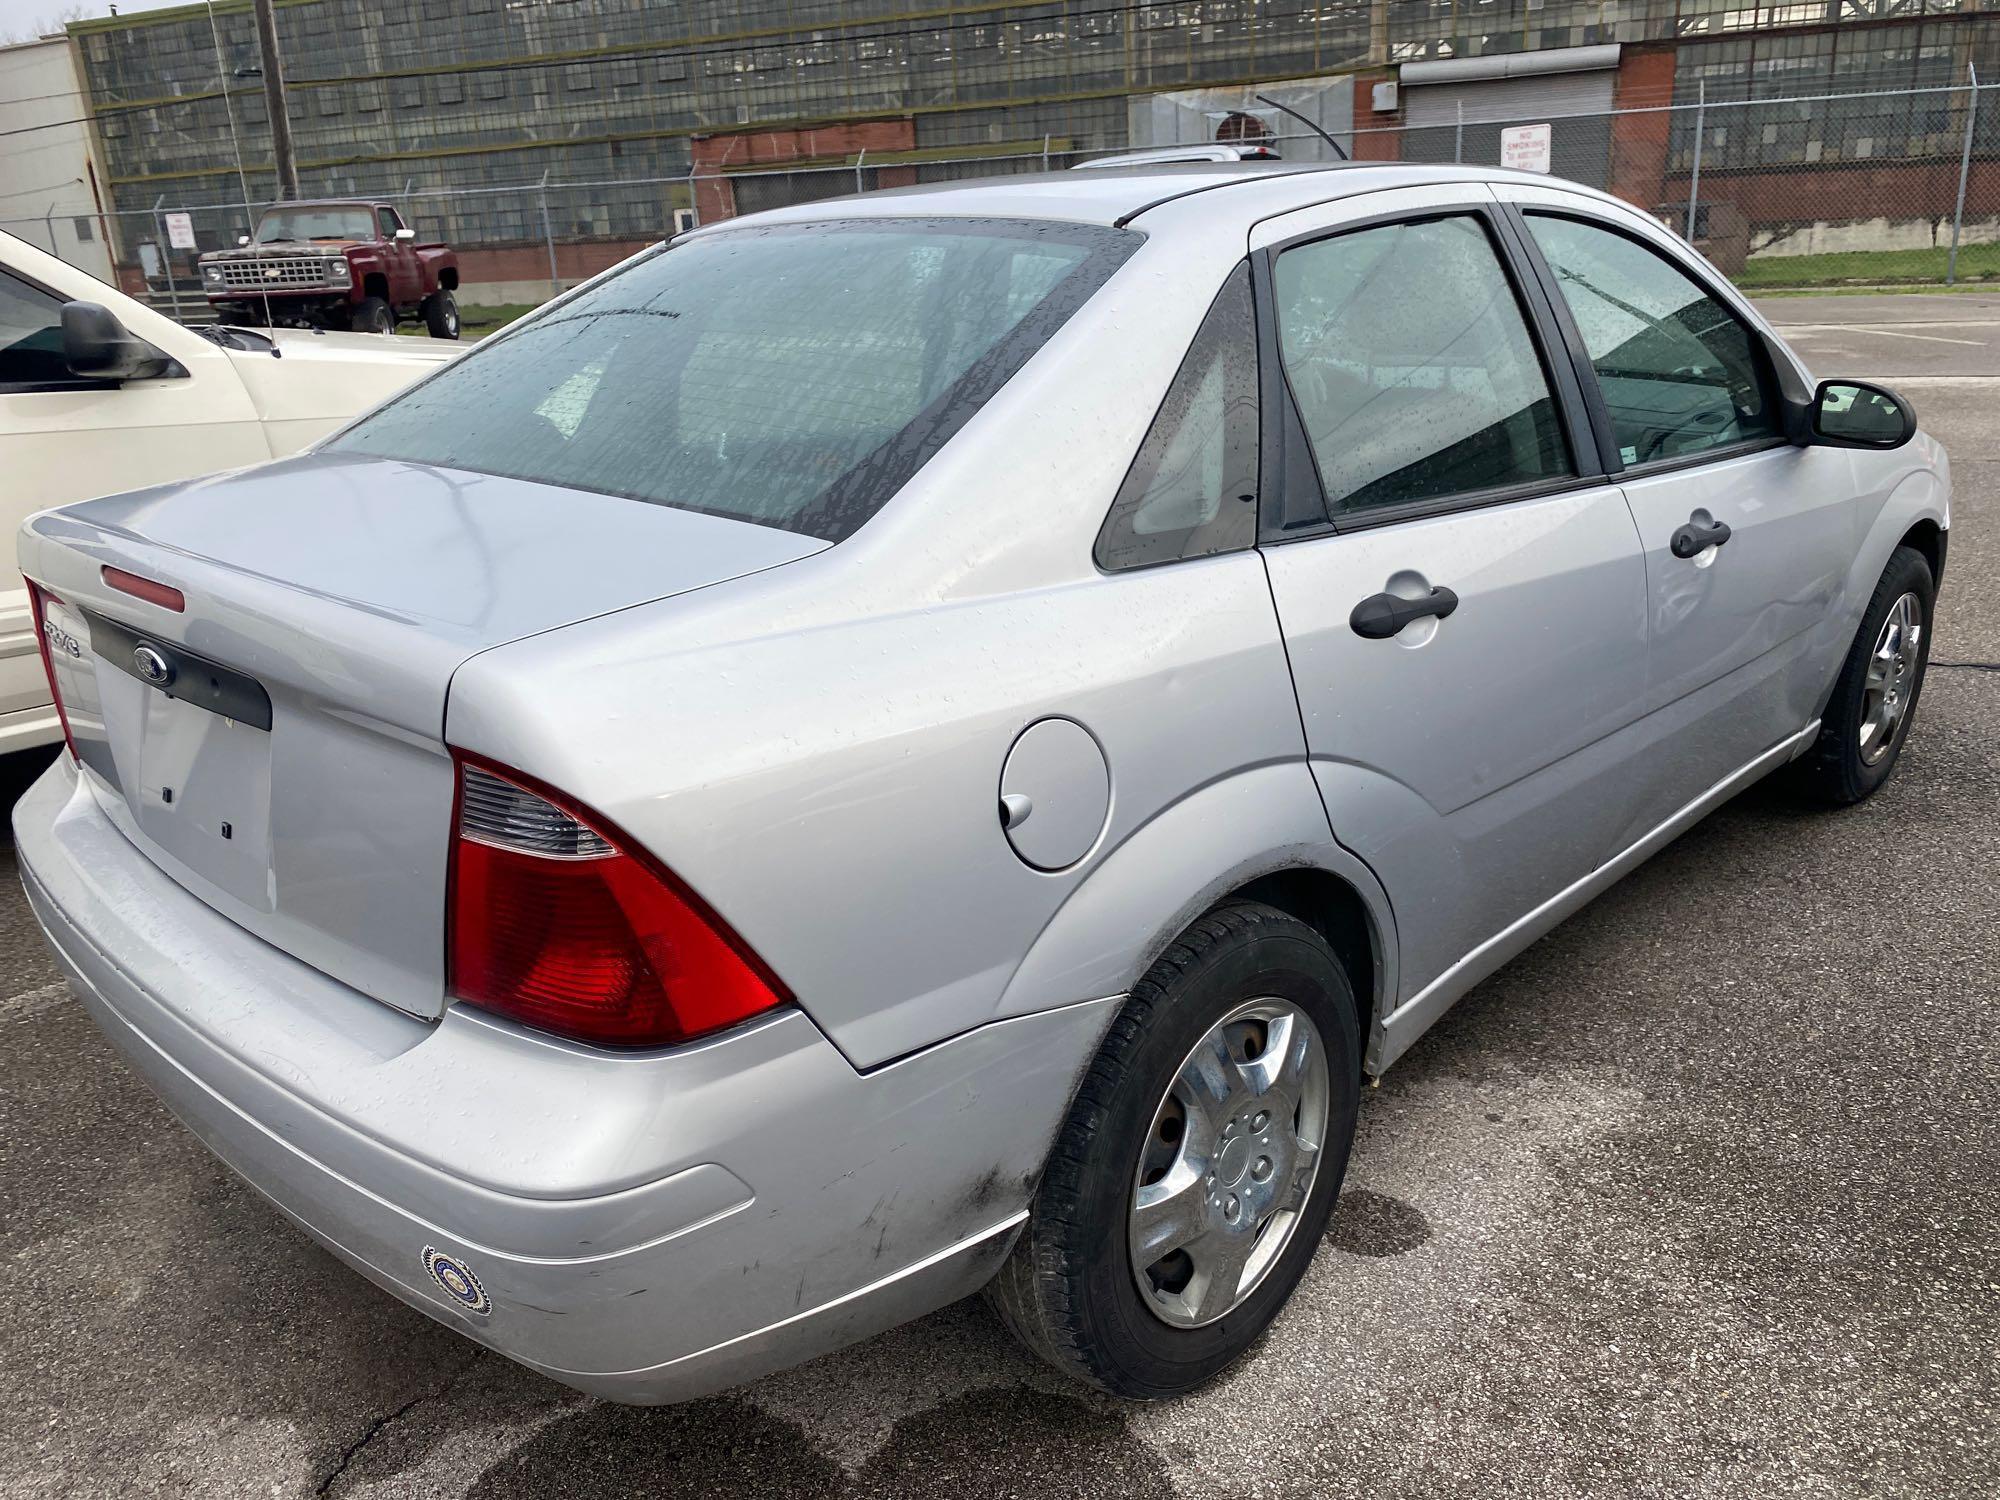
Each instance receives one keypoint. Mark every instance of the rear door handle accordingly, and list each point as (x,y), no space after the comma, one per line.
(1380,616)
(1694,538)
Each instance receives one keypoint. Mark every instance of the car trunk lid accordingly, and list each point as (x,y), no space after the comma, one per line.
(276,744)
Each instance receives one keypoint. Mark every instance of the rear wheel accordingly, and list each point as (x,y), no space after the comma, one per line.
(1199,1163)
(373,315)
(441,314)
(1875,697)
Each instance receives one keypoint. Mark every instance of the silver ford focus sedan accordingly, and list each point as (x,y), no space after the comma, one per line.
(929,741)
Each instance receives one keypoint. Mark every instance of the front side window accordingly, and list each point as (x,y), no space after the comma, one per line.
(1192,490)
(31,340)
(1412,366)
(391,222)
(794,376)
(1680,372)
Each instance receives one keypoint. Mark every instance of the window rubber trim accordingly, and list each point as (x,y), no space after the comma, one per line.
(1551,349)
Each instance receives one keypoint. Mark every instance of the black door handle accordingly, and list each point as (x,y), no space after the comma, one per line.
(1693,538)
(1380,616)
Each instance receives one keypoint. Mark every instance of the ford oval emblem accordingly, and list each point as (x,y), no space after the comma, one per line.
(152,666)
(455,1277)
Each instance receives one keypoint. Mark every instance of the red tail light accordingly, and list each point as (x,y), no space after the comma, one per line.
(39,599)
(557,922)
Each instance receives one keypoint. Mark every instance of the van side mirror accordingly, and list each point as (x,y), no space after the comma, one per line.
(96,346)
(1857,414)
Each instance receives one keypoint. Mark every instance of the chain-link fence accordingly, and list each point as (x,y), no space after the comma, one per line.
(1869,188)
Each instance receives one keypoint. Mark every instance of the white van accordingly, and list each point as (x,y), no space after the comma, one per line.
(99,393)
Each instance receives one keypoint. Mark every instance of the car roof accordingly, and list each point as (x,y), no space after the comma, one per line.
(1116,196)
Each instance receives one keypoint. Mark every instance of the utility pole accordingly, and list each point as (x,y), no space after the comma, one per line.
(274,102)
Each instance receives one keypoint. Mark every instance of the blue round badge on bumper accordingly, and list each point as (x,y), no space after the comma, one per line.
(457,1280)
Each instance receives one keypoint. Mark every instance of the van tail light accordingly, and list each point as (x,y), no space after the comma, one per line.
(39,600)
(558,921)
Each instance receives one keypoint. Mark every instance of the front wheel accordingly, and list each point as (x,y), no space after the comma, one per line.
(373,315)
(1200,1161)
(441,314)
(1875,697)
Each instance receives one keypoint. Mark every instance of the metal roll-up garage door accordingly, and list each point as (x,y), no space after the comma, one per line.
(1570,90)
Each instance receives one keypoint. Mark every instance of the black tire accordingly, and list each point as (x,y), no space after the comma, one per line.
(372,315)
(1838,771)
(1069,1290)
(441,314)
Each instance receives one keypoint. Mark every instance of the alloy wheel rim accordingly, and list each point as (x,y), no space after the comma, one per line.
(1229,1162)
(1891,679)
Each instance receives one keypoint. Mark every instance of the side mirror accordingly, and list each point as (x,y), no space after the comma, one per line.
(406,234)
(97,347)
(242,239)
(1856,414)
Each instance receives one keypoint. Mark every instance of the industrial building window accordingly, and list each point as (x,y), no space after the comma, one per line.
(1890,73)
(85,232)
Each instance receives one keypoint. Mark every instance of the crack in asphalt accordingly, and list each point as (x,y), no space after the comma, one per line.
(381,1423)
(1967,666)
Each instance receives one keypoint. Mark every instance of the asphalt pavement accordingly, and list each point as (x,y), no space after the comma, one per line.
(1699,1197)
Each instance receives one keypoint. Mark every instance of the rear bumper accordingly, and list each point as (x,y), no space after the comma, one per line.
(647,1227)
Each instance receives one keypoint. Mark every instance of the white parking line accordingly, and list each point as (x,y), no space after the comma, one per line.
(1912,323)
(1971,380)
(1796,330)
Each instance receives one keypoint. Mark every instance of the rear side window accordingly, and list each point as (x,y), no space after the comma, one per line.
(1679,371)
(795,376)
(1192,490)
(1412,367)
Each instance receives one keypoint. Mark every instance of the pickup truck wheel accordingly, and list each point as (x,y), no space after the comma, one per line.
(441,314)
(372,315)
(1200,1161)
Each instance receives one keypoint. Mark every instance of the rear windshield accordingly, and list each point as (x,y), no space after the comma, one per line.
(795,376)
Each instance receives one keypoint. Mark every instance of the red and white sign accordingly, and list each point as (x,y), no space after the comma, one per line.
(180,231)
(1525,147)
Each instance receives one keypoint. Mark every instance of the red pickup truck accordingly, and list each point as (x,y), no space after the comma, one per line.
(338,264)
